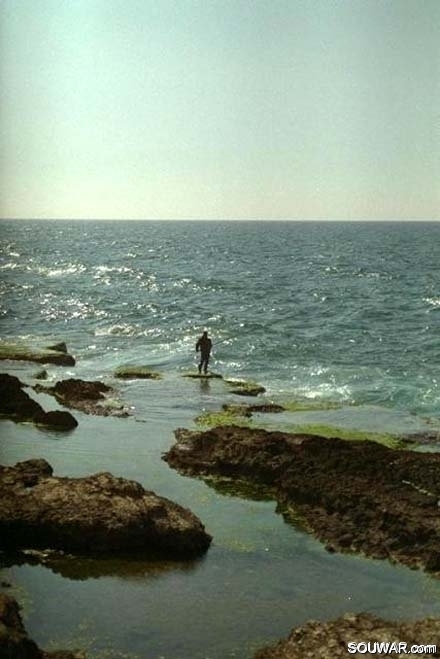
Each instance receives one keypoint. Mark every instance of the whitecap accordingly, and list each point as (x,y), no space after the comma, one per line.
(69,269)
(432,301)
(119,329)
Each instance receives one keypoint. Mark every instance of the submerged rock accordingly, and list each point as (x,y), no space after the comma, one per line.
(245,387)
(14,641)
(353,496)
(88,397)
(17,405)
(96,515)
(321,640)
(248,410)
(133,372)
(53,355)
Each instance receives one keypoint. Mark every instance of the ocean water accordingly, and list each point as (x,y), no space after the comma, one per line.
(345,313)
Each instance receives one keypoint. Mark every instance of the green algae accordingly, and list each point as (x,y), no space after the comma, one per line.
(210,419)
(85,641)
(244,387)
(307,405)
(348,434)
(239,416)
(21,352)
(136,372)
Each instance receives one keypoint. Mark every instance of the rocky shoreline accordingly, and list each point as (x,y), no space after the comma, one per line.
(325,640)
(353,496)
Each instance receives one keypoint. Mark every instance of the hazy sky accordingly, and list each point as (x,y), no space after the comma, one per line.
(260,109)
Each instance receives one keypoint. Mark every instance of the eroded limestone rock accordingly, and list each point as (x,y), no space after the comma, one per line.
(98,514)
(354,496)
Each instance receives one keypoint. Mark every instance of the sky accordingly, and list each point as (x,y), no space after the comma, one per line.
(220,109)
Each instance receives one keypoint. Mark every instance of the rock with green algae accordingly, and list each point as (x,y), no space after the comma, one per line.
(97,515)
(21,352)
(353,496)
(136,372)
(322,640)
(14,641)
(244,387)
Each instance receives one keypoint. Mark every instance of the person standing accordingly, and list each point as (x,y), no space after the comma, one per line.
(204,346)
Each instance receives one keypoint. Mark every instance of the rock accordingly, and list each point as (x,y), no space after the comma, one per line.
(133,372)
(40,375)
(248,410)
(203,376)
(58,347)
(14,402)
(14,641)
(85,396)
(56,419)
(96,515)
(17,405)
(356,496)
(18,352)
(321,640)
(245,387)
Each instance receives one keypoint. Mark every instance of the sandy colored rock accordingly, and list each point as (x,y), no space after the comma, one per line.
(329,640)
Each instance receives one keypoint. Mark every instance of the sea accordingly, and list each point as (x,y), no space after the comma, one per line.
(341,319)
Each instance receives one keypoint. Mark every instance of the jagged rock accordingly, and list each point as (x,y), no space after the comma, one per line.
(354,496)
(14,641)
(88,397)
(98,514)
(18,352)
(322,640)
(16,404)
(133,372)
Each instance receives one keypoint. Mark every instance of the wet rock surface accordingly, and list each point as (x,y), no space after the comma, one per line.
(14,641)
(137,372)
(88,397)
(96,515)
(17,405)
(353,496)
(244,387)
(56,354)
(325,640)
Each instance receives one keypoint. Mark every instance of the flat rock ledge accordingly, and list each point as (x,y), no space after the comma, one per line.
(322,640)
(354,496)
(86,396)
(14,641)
(56,354)
(17,405)
(96,515)
(131,372)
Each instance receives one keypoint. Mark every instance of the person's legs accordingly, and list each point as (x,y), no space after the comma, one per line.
(205,362)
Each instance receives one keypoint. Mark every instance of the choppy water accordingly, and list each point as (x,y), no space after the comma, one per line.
(338,312)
